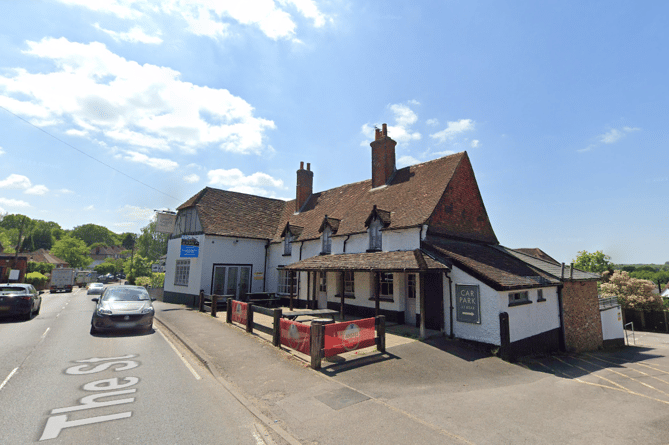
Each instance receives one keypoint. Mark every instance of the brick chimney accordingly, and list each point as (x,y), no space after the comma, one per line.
(305,182)
(383,157)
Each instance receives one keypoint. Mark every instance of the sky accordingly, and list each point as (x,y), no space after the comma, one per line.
(110,111)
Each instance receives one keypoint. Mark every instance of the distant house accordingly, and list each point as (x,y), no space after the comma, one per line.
(104,252)
(414,244)
(43,256)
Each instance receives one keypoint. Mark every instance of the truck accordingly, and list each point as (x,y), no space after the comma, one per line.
(84,277)
(62,280)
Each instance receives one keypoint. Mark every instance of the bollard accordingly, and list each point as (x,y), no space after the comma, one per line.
(201,307)
(249,318)
(214,303)
(228,311)
(381,333)
(276,337)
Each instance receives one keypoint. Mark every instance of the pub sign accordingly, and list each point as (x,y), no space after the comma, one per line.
(190,247)
(468,303)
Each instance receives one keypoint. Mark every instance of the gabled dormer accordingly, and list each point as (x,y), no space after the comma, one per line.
(376,221)
(290,233)
(328,227)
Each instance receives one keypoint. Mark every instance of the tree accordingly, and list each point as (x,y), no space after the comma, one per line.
(596,262)
(152,244)
(632,293)
(92,233)
(105,268)
(137,266)
(72,250)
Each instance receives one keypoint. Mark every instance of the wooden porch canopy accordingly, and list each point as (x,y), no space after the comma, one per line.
(412,261)
(400,261)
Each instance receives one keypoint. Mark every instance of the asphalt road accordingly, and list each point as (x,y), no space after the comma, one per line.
(59,384)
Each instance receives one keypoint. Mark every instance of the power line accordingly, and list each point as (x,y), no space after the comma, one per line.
(86,154)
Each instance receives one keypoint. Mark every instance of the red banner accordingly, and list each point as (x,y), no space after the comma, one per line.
(349,336)
(296,336)
(239,311)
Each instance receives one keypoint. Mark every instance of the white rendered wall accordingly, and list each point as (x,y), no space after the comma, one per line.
(612,323)
(527,320)
(173,252)
(231,251)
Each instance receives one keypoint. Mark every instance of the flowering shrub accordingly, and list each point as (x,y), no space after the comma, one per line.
(632,293)
(142,281)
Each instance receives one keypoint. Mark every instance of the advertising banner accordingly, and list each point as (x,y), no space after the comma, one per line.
(349,336)
(239,311)
(165,222)
(190,247)
(296,336)
(468,303)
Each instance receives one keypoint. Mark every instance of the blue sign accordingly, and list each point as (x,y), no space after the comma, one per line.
(190,247)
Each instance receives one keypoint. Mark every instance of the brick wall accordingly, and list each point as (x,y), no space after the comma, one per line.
(582,321)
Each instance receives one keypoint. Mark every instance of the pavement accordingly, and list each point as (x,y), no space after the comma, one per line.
(433,391)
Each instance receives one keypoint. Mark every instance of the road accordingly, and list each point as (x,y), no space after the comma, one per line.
(59,384)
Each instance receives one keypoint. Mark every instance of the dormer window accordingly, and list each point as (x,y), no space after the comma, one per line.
(327,240)
(287,246)
(290,234)
(375,235)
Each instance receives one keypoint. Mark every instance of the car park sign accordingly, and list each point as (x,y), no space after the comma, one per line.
(468,303)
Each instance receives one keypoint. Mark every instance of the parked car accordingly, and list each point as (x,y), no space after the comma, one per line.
(95,289)
(123,307)
(20,299)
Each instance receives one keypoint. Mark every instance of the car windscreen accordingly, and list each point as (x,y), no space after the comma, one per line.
(126,295)
(8,290)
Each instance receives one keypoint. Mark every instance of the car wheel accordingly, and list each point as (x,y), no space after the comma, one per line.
(38,308)
(93,330)
(29,315)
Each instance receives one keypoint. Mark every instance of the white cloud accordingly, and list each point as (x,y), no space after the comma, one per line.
(64,191)
(453,129)
(234,180)
(15,181)
(401,132)
(135,35)
(160,164)
(13,202)
(211,18)
(90,207)
(432,122)
(404,161)
(102,95)
(475,143)
(37,190)
(135,213)
(192,178)
(2,151)
(610,137)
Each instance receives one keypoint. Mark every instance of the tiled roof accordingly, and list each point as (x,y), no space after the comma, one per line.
(409,200)
(43,256)
(552,267)
(411,260)
(538,253)
(491,265)
(228,213)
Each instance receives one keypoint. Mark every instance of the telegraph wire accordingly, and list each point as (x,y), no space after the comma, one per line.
(86,154)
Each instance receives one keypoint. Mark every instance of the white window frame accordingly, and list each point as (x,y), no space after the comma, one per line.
(327,240)
(375,235)
(283,286)
(519,297)
(386,288)
(349,283)
(181,272)
(287,246)
(411,285)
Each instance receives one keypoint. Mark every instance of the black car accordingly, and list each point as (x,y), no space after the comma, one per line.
(20,299)
(123,307)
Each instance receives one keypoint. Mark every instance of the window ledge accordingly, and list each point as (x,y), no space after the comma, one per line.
(287,254)
(519,303)
(383,299)
(373,250)
(541,300)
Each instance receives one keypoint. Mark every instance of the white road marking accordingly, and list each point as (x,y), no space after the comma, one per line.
(8,377)
(185,362)
(45,332)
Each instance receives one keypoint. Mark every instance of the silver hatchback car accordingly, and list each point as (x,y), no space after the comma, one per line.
(123,307)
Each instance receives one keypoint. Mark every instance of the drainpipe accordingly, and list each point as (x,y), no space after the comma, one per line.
(450,297)
(264,277)
(347,237)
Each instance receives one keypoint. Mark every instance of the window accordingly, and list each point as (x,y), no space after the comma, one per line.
(386,285)
(411,285)
(284,282)
(327,240)
(519,298)
(287,246)
(540,295)
(349,283)
(181,273)
(375,236)
(323,281)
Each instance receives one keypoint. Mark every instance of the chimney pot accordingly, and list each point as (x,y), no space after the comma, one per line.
(301,165)
(309,166)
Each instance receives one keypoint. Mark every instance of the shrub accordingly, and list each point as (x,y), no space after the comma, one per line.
(632,293)
(142,281)
(37,279)
(157,279)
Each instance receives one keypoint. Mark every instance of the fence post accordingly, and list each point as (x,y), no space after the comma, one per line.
(214,303)
(249,318)
(381,332)
(201,306)
(276,337)
(228,311)
(317,332)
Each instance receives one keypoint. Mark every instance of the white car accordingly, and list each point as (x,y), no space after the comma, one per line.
(95,289)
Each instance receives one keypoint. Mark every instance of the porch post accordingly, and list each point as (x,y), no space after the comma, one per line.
(314,285)
(377,292)
(421,303)
(343,289)
(308,287)
(292,292)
